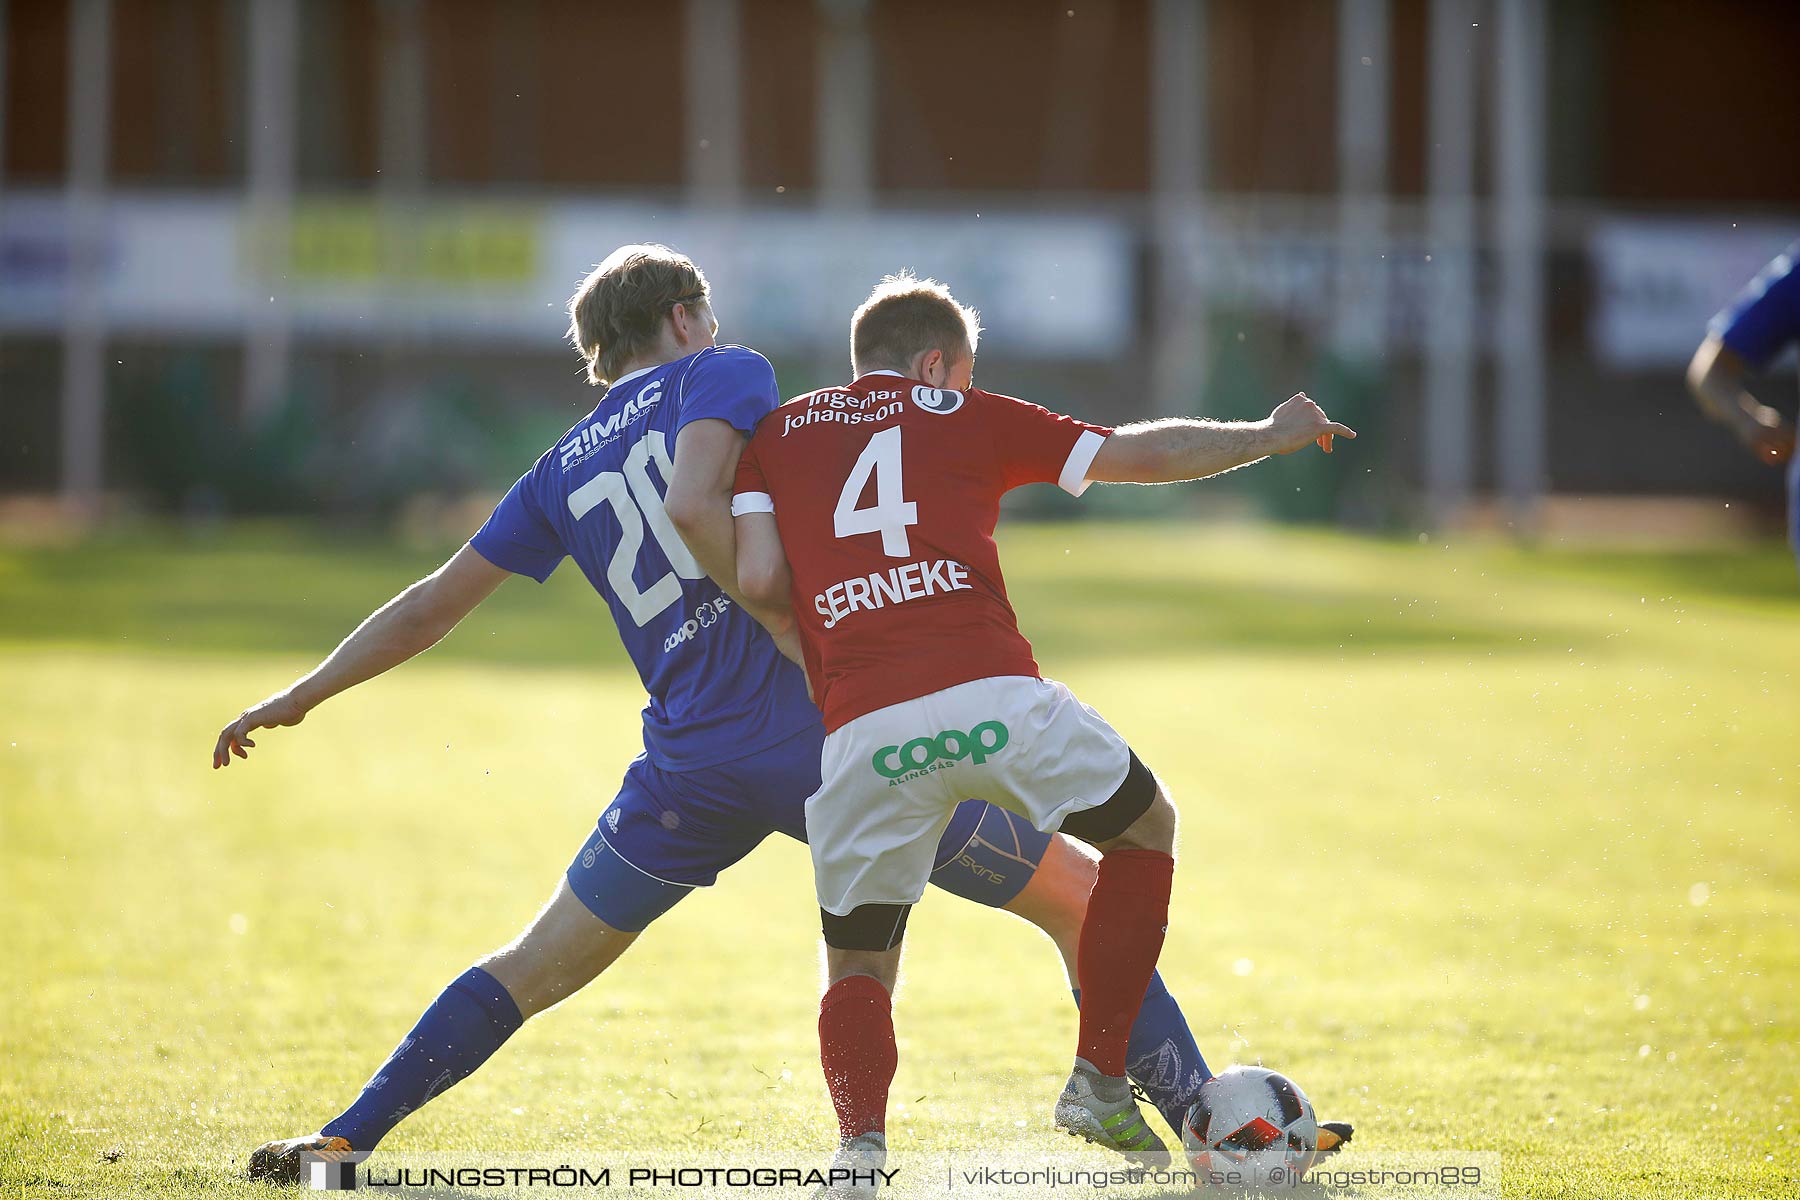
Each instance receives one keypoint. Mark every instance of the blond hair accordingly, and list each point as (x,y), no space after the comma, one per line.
(906,316)
(616,314)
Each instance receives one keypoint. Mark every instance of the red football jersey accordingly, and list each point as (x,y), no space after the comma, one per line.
(886,493)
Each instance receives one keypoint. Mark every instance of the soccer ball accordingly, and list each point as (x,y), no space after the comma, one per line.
(1250,1128)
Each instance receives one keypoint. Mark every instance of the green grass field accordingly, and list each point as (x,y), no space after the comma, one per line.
(1491,849)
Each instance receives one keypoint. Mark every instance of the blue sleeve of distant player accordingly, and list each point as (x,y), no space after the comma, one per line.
(1765,317)
(518,537)
(729,383)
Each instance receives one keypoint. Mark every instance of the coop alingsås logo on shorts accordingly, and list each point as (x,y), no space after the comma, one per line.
(923,755)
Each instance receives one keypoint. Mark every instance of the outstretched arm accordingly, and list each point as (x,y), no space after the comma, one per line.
(411,622)
(1177,449)
(1716,378)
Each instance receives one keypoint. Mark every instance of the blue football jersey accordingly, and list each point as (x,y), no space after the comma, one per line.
(719,689)
(1765,317)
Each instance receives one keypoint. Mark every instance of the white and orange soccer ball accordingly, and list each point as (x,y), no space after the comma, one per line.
(1250,1127)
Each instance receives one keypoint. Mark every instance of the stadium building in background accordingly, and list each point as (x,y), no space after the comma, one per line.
(263,254)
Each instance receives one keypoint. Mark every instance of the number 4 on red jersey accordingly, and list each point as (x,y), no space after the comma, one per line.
(886,494)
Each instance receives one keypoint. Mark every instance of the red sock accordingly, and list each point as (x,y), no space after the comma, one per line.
(856,1048)
(1127,916)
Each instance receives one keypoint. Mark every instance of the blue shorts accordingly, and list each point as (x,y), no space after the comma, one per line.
(669,832)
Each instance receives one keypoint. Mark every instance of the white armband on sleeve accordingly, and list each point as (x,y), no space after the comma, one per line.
(755,502)
(1074,478)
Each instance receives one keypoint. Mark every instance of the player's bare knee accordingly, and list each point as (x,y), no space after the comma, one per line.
(1138,815)
(883,966)
(1154,830)
(865,941)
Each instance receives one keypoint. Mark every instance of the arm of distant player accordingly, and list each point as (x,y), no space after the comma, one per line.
(411,622)
(1178,449)
(1716,377)
(767,580)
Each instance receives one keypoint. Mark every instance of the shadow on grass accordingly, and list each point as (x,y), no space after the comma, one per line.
(1764,576)
(293,592)
(286,593)
(1150,617)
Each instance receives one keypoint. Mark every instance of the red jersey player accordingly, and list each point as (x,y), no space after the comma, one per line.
(870,508)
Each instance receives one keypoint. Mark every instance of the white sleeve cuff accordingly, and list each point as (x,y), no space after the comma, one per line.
(755,502)
(1074,478)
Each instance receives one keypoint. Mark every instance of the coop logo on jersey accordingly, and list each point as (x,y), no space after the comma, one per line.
(706,615)
(937,400)
(923,755)
(602,431)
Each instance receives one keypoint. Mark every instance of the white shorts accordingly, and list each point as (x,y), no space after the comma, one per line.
(891,778)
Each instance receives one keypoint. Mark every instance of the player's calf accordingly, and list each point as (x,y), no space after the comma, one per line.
(857,1050)
(1121,938)
(1127,912)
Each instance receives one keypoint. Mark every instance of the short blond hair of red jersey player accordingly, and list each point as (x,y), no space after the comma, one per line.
(866,513)
(905,315)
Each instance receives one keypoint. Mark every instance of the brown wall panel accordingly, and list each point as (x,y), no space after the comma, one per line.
(459,72)
(352,39)
(779,68)
(1012,94)
(1703,102)
(1409,43)
(1272,95)
(172,91)
(37,85)
(612,85)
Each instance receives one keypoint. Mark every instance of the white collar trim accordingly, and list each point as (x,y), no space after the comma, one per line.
(624,379)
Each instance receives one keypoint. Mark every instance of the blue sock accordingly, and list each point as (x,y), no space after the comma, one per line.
(1161,1056)
(470,1020)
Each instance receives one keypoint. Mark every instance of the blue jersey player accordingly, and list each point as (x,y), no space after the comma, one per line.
(638,494)
(1748,336)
